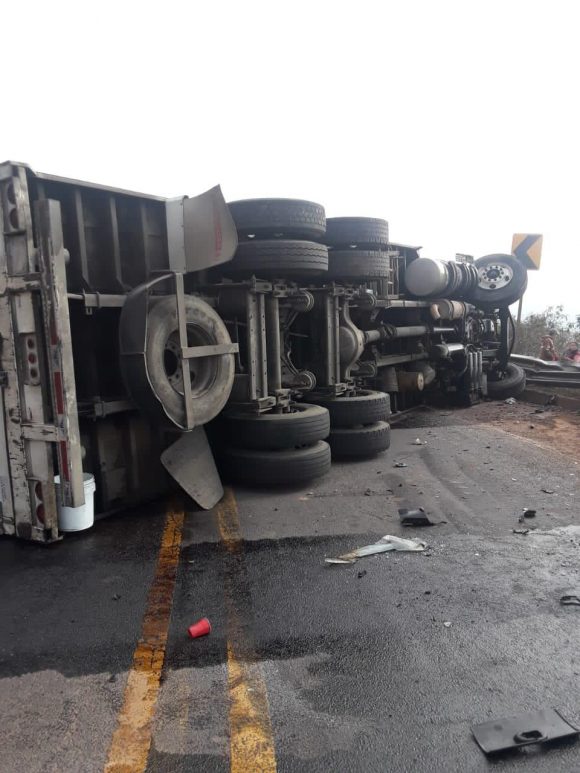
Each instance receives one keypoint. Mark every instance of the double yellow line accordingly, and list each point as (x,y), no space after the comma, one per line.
(129,748)
(251,738)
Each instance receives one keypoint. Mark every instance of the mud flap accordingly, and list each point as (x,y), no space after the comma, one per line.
(190,462)
(201,232)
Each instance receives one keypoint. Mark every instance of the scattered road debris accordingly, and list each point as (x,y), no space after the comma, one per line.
(510,401)
(529,513)
(369,492)
(115,597)
(419,442)
(417,517)
(200,628)
(571,600)
(384,545)
(544,726)
(360,575)
(447,624)
(521,531)
(400,464)
(548,491)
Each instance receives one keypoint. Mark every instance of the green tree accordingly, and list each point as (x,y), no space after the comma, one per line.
(552,320)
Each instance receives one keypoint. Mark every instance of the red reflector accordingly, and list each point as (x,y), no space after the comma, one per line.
(58,393)
(64,460)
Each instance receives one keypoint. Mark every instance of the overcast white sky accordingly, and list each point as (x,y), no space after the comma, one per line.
(459,122)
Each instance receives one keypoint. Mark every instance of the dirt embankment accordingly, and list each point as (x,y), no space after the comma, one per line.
(549,426)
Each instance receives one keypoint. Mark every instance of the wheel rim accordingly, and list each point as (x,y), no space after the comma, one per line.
(494,276)
(203,370)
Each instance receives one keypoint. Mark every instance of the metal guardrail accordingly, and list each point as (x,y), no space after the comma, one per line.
(556,374)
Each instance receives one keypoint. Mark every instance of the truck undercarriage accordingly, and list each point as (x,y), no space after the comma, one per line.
(130,322)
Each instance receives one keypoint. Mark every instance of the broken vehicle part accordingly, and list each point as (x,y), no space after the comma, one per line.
(570,600)
(190,462)
(384,545)
(417,517)
(543,726)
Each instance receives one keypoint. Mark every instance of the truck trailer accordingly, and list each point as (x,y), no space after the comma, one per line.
(131,323)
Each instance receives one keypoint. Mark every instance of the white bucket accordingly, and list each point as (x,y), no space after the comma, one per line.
(77,518)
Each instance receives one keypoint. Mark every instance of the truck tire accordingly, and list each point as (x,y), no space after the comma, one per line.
(362,232)
(276,468)
(303,426)
(366,407)
(358,264)
(358,442)
(502,280)
(279,258)
(212,377)
(278,218)
(512,384)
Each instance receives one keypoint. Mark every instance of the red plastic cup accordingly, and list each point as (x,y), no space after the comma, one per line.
(201,628)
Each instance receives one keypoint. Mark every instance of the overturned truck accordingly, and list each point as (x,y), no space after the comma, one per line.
(130,323)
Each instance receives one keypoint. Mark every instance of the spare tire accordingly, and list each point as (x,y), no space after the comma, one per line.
(361,232)
(276,468)
(304,425)
(278,218)
(211,377)
(502,280)
(358,442)
(366,407)
(358,264)
(511,384)
(279,258)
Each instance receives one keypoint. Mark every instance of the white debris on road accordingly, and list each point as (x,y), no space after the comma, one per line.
(384,545)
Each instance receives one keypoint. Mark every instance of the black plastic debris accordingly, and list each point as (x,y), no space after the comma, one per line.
(521,531)
(529,513)
(570,600)
(417,517)
(400,464)
(543,726)
(547,491)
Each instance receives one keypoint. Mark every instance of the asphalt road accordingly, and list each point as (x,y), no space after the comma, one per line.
(309,667)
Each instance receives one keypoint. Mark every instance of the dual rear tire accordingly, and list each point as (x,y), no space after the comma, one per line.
(277,448)
(359,424)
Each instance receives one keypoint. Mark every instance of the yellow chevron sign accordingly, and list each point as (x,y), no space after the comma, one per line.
(527,248)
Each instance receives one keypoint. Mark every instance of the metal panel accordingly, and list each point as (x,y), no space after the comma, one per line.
(62,382)
(201,232)
(31,510)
